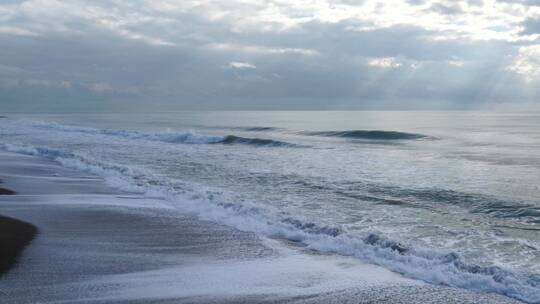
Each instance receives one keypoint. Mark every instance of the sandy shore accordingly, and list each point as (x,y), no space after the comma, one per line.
(97,245)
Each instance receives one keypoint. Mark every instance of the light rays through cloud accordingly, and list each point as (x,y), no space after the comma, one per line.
(303,54)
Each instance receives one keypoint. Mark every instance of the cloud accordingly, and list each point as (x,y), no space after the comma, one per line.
(527,63)
(532,3)
(302,54)
(447,8)
(258,49)
(385,63)
(102,87)
(9,70)
(241,65)
(33,82)
(531,26)
(10,30)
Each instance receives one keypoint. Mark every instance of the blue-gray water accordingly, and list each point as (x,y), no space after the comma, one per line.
(450,198)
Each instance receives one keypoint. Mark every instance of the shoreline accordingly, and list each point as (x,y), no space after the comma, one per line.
(98,245)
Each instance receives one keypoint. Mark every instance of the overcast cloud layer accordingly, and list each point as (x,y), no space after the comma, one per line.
(303,54)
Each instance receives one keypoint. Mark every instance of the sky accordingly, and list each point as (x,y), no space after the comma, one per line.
(141,55)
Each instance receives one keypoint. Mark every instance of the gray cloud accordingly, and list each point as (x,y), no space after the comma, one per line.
(447,8)
(251,55)
(531,26)
(523,2)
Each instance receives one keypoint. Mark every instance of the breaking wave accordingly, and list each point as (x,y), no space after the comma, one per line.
(232,139)
(429,265)
(168,137)
(369,134)
(259,129)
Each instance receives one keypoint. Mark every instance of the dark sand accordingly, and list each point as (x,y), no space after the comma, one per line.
(4,191)
(15,235)
(100,246)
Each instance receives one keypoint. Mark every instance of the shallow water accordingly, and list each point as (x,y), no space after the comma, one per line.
(451,198)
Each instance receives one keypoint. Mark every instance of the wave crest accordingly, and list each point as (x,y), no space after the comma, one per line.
(259,129)
(369,134)
(168,137)
(232,139)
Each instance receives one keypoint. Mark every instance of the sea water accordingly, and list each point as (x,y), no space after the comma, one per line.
(450,198)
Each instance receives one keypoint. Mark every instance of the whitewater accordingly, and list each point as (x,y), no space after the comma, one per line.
(452,200)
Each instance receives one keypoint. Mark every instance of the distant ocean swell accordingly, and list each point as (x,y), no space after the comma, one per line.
(368,134)
(169,137)
(433,266)
(192,138)
(259,129)
(232,139)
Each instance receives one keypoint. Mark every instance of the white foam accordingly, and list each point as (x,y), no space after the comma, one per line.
(289,275)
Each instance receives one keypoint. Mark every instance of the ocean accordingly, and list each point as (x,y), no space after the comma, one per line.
(449,198)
